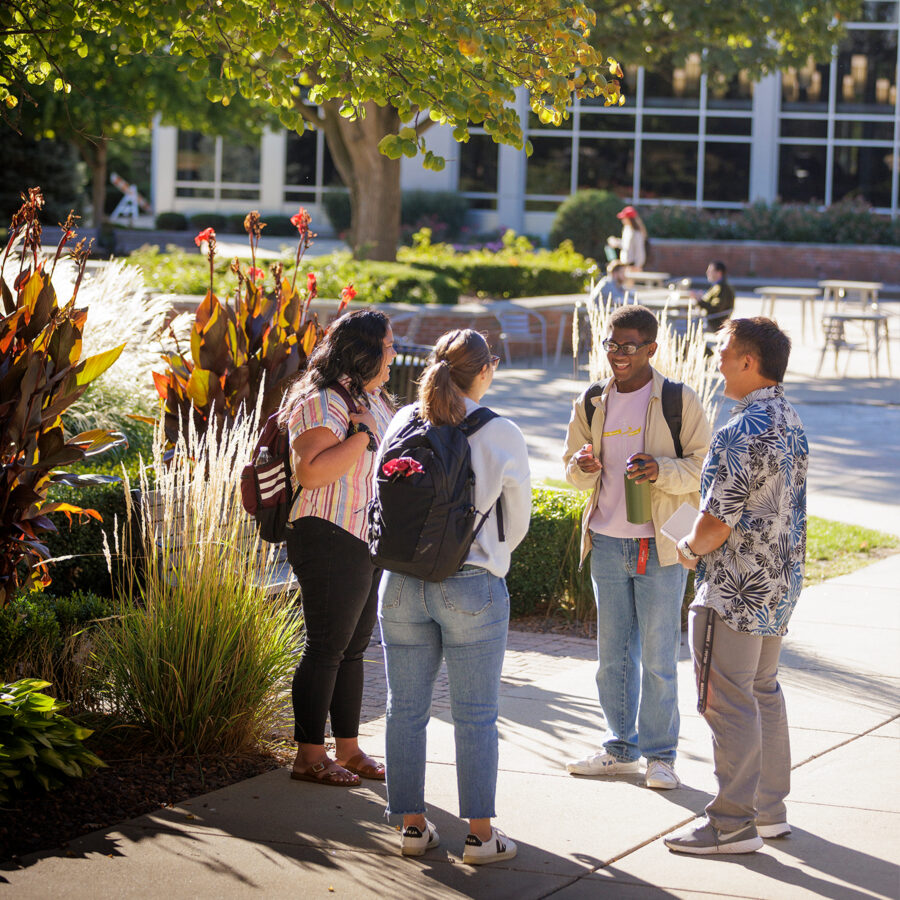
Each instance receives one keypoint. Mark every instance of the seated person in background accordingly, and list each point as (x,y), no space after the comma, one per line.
(718,301)
(611,286)
(632,246)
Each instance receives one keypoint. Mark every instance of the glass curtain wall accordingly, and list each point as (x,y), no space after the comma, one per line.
(681,136)
(839,121)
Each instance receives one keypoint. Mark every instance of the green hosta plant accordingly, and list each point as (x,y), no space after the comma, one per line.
(38,746)
(254,338)
(41,375)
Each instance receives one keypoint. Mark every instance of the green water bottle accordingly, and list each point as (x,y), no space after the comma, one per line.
(637,500)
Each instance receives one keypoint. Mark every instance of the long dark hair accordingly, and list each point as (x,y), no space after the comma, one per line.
(457,358)
(353,347)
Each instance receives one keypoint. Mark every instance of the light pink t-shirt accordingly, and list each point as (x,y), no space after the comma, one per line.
(623,435)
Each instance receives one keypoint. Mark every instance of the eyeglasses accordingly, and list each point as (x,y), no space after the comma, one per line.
(628,349)
(495,361)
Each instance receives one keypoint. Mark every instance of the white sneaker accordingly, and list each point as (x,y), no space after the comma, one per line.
(778,830)
(477,852)
(414,843)
(602,763)
(661,775)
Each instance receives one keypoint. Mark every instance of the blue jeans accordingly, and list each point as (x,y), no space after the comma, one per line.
(638,637)
(465,620)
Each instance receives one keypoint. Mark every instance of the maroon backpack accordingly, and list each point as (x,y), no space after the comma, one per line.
(266,491)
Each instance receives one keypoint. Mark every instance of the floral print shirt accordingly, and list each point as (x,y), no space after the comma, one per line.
(754,480)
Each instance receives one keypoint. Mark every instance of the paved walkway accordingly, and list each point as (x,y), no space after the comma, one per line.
(583,837)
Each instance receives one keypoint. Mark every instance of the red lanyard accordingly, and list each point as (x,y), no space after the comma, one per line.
(643,555)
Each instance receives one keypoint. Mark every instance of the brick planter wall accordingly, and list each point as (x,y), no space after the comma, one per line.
(772,261)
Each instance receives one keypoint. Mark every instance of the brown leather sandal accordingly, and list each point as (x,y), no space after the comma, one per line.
(330,773)
(366,767)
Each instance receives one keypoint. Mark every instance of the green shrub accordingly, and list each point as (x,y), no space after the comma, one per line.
(444,212)
(235,223)
(278,226)
(38,746)
(176,271)
(516,269)
(544,572)
(171,221)
(47,637)
(202,220)
(587,219)
(337,208)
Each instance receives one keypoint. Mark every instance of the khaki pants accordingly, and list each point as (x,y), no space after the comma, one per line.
(745,711)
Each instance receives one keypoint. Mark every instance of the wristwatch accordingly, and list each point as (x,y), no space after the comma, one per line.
(357,427)
(684,548)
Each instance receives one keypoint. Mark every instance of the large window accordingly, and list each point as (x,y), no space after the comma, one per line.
(681,136)
(478,171)
(838,129)
(213,168)
(309,170)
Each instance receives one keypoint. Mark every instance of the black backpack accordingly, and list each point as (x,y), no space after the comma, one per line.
(671,408)
(422,519)
(266,492)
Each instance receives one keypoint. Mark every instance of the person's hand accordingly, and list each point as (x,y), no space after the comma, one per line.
(365,416)
(586,461)
(641,467)
(687,563)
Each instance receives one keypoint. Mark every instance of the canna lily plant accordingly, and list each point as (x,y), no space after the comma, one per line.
(41,375)
(255,340)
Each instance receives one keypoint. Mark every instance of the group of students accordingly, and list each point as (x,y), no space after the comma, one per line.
(638,574)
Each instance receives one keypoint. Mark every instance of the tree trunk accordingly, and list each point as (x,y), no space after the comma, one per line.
(372,179)
(94,153)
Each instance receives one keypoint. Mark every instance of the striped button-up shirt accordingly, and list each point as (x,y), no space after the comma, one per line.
(344,501)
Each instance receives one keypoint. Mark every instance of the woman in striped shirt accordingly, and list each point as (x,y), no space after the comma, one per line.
(333,454)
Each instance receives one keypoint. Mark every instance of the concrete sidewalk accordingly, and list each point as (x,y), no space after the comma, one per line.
(578,837)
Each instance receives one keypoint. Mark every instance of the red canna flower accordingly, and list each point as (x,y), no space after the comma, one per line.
(256,274)
(301,220)
(205,236)
(402,467)
(347,294)
(312,287)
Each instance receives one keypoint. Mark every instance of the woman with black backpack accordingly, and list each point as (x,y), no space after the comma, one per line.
(336,413)
(463,618)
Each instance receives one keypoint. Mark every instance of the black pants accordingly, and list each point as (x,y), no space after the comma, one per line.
(339,590)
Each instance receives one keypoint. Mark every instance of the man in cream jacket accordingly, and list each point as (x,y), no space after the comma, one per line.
(638,584)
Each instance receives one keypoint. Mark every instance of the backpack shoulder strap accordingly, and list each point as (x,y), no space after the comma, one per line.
(478,419)
(595,390)
(339,389)
(671,408)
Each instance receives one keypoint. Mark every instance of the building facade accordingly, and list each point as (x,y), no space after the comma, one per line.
(820,133)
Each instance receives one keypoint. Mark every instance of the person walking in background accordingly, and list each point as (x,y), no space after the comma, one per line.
(620,426)
(718,301)
(335,413)
(748,547)
(632,245)
(463,619)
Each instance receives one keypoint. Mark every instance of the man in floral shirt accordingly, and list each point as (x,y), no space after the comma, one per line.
(748,546)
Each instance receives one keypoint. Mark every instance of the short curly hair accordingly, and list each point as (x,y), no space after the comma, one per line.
(638,317)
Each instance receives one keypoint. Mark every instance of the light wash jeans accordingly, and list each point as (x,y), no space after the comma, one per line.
(638,637)
(465,620)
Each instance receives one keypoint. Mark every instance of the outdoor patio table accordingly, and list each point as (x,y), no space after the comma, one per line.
(648,279)
(770,293)
(837,290)
(875,326)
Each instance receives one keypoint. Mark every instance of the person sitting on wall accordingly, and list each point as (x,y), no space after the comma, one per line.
(632,245)
(718,301)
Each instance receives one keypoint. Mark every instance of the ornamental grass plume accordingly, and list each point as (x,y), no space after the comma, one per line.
(198,654)
(680,357)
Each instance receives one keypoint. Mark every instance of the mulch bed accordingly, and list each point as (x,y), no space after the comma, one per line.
(137,781)
(555,625)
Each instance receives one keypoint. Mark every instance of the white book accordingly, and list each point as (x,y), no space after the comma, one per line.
(681,522)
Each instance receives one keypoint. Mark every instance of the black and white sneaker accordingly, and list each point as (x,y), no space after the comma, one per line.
(478,852)
(414,843)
